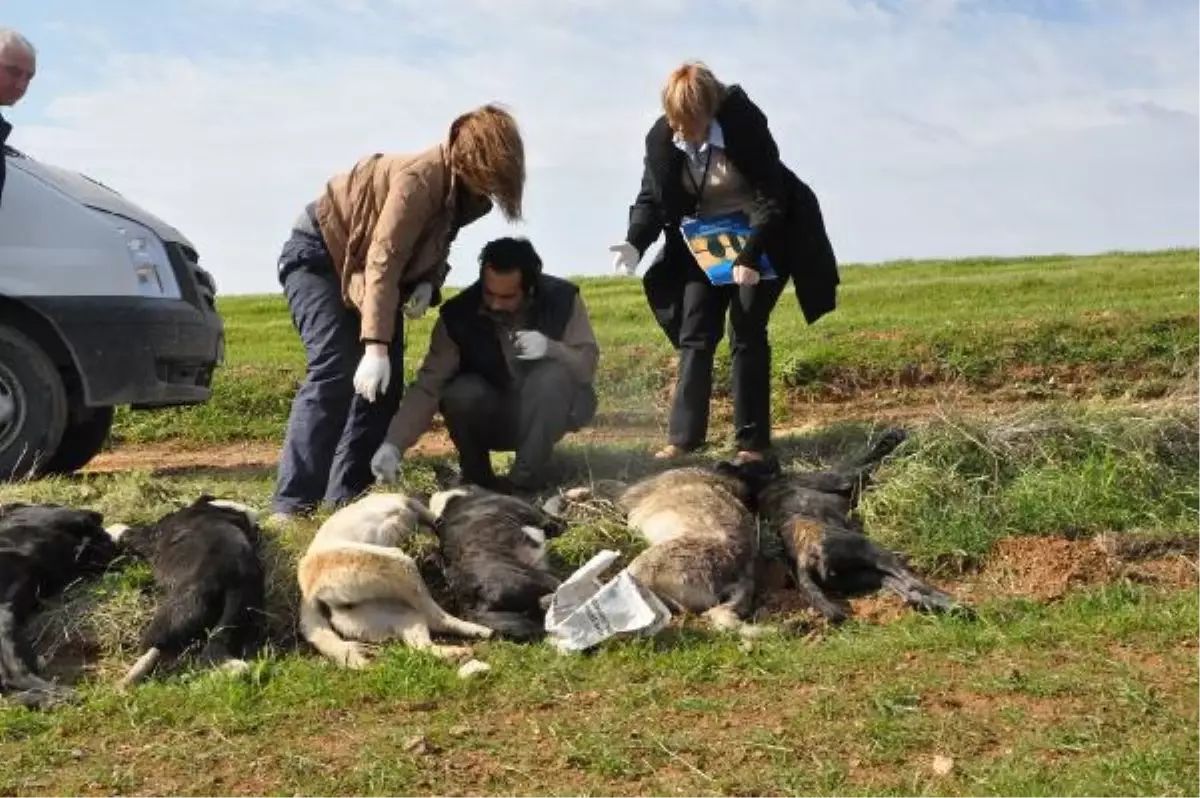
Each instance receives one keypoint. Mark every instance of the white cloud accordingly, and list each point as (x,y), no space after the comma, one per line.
(944,128)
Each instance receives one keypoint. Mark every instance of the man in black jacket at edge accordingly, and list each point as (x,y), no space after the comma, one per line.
(18,63)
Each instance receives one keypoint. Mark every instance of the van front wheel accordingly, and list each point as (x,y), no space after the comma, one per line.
(33,406)
(85,435)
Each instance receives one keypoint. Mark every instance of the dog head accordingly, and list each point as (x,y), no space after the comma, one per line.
(752,476)
(93,548)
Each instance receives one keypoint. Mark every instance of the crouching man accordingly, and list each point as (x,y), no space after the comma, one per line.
(510,365)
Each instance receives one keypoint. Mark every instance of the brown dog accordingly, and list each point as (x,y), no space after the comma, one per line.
(703,541)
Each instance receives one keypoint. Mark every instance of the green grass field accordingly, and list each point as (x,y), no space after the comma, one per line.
(1099,325)
(1051,479)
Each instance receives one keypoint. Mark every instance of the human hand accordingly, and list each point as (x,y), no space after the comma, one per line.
(385,464)
(418,301)
(626,259)
(530,344)
(373,373)
(744,275)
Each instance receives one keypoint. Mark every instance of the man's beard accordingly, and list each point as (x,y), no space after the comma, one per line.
(504,317)
(507,317)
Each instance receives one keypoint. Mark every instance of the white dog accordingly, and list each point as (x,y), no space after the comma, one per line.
(357,586)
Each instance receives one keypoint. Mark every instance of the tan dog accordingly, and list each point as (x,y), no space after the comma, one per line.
(357,585)
(703,541)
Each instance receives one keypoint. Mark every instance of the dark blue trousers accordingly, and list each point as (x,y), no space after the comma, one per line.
(332,432)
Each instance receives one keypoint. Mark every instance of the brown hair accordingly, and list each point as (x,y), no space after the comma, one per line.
(692,93)
(487,152)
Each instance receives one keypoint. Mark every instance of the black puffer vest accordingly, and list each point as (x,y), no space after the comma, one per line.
(474,333)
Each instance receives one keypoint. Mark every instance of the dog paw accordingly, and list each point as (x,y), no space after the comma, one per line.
(454,653)
(356,659)
(46,697)
(235,667)
(755,631)
(472,668)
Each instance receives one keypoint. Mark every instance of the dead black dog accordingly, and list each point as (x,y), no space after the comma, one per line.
(813,513)
(494,550)
(211,582)
(43,549)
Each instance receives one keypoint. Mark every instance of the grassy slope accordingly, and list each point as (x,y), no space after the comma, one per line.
(1095,693)
(1098,320)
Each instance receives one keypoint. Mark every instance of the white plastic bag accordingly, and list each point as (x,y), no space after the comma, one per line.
(584,611)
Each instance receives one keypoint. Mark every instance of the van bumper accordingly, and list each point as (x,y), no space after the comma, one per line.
(139,351)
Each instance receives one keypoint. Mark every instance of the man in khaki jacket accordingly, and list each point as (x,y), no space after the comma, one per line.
(372,247)
(511,365)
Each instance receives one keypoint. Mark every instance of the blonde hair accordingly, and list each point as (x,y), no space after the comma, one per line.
(692,93)
(486,151)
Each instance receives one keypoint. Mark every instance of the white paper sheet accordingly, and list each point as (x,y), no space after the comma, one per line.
(585,611)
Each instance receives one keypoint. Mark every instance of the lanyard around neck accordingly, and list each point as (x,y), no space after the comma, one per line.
(699,188)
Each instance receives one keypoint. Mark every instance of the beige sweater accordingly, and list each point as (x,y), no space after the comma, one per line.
(725,190)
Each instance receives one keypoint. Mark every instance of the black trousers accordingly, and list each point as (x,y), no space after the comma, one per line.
(702,326)
(542,406)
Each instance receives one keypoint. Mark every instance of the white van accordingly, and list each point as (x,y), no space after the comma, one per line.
(101,304)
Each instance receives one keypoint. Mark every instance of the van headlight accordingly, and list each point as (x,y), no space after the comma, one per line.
(148,256)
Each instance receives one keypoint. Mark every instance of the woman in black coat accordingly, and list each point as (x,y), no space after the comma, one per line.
(710,154)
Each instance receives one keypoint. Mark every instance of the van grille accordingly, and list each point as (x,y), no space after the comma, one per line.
(195,284)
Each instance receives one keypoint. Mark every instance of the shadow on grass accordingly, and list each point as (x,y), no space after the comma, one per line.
(577,464)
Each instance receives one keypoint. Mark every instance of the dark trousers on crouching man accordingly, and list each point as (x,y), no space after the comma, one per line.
(332,431)
(542,404)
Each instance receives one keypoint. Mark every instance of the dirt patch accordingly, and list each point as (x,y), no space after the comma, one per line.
(180,458)
(1047,568)
(1041,569)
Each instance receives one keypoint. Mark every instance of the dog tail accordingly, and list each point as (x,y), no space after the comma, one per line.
(514,626)
(861,467)
(850,477)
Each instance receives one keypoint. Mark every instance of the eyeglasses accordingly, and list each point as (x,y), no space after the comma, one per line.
(16,73)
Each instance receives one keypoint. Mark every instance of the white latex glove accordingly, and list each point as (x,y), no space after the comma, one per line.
(385,465)
(530,344)
(418,301)
(744,275)
(373,373)
(626,259)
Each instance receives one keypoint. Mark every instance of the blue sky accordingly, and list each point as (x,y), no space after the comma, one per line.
(928,128)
